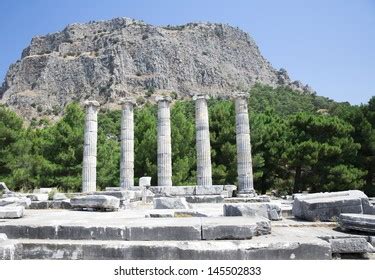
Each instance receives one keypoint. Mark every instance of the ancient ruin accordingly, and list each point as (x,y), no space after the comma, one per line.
(203,221)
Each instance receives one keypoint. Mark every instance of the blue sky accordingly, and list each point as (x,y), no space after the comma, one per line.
(328,44)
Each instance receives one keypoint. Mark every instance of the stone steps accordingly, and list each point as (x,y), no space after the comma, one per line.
(174,250)
(195,228)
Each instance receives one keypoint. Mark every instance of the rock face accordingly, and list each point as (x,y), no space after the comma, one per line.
(329,206)
(93,59)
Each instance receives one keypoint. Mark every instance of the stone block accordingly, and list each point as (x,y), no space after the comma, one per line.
(43,190)
(233,228)
(3,237)
(95,202)
(358,222)
(350,246)
(59,196)
(244,199)
(145,182)
(38,196)
(11,212)
(209,190)
(189,213)
(15,201)
(205,199)
(170,203)
(266,210)
(328,206)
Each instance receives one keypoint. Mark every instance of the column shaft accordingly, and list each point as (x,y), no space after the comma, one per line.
(127,145)
(164,142)
(244,160)
(204,172)
(90,147)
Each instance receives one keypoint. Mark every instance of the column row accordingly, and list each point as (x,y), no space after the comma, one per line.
(164,146)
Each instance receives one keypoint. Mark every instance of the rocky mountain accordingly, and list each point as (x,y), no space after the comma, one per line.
(104,59)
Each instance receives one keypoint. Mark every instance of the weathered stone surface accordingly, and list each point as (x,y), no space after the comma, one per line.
(11,212)
(159,215)
(3,237)
(244,159)
(360,222)
(59,196)
(95,202)
(38,196)
(189,213)
(261,209)
(170,203)
(205,199)
(43,190)
(145,182)
(15,201)
(259,198)
(3,187)
(10,249)
(51,204)
(350,245)
(328,206)
(234,228)
(202,140)
(176,250)
(192,190)
(127,143)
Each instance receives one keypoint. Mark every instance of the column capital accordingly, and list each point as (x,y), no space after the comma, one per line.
(89,103)
(127,100)
(201,96)
(160,98)
(241,95)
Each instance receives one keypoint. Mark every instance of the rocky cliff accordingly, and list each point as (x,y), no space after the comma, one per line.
(101,59)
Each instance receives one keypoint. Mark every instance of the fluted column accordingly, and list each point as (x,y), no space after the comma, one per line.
(244,161)
(90,147)
(164,142)
(127,143)
(204,173)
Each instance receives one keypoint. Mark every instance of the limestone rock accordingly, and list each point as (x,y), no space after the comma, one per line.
(350,246)
(170,203)
(96,202)
(90,60)
(328,206)
(15,201)
(266,210)
(11,212)
(359,222)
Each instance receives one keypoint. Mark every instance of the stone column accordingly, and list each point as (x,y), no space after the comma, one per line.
(90,147)
(164,142)
(127,143)
(204,173)
(244,161)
